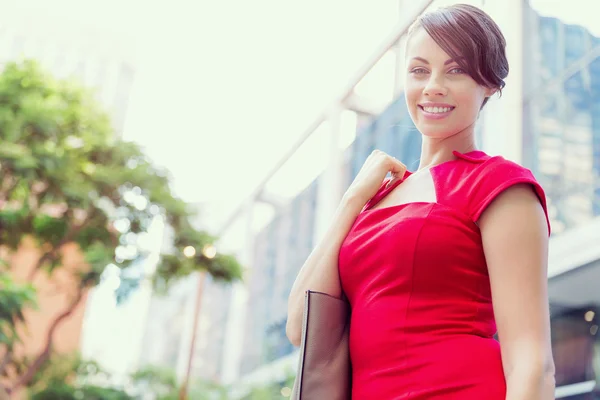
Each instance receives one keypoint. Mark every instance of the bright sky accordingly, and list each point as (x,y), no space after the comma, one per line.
(225,87)
(237,82)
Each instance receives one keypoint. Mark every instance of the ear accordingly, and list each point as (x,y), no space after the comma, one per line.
(489,92)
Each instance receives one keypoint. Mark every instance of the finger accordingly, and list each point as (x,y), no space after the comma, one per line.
(375,154)
(397,170)
(396,167)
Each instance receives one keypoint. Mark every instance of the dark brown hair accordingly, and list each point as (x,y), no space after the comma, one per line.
(472,38)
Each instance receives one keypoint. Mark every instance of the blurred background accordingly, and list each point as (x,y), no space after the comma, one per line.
(262,113)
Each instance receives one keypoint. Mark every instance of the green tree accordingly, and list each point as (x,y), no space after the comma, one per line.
(207,390)
(66,180)
(159,381)
(68,392)
(162,382)
(68,377)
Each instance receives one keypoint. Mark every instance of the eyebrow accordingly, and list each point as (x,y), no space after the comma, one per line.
(450,61)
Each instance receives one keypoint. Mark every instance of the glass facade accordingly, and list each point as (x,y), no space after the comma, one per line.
(280,250)
(575,344)
(561,136)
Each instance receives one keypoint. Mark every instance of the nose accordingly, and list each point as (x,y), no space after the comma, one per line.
(435,87)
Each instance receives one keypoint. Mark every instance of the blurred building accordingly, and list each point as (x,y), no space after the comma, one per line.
(211,331)
(75,53)
(169,324)
(167,329)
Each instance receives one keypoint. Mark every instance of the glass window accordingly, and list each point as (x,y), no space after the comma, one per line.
(574,344)
(587,396)
(576,43)
(561,134)
(575,320)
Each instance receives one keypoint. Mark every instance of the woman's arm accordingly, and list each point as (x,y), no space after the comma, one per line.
(320,271)
(515,241)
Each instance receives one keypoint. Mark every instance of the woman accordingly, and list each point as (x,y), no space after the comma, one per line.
(435,262)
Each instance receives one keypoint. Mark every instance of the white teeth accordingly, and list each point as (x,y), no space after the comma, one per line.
(437,110)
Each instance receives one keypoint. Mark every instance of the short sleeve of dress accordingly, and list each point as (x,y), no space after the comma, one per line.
(495,176)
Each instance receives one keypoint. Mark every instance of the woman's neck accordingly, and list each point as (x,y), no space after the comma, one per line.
(437,151)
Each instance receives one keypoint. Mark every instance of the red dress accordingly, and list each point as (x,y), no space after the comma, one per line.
(415,274)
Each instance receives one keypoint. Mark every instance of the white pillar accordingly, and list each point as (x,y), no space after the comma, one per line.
(236,320)
(503,118)
(399,51)
(330,188)
(183,355)
(400,68)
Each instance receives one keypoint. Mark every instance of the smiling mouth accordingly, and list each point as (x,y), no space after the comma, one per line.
(436,110)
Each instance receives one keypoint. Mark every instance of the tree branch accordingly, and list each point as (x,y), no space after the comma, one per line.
(69,237)
(5,360)
(48,256)
(45,354)
(53,253)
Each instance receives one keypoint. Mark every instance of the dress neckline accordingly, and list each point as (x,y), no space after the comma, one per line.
(473,156)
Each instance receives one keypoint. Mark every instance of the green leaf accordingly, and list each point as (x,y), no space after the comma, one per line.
(49,229)
(14,299)
(12,151)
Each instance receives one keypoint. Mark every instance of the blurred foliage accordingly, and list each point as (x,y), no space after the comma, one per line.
(14,298)
(86,392)
(69,377)
(272,391)
(65,369)
(65,178)
(206,390)
(161,382)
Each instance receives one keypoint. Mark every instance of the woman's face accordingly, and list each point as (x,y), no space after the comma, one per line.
(442,98)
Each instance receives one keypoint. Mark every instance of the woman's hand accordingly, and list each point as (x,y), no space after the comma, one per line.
(371,175)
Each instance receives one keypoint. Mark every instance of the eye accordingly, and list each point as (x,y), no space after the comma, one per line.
(418,71)
(457,70)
